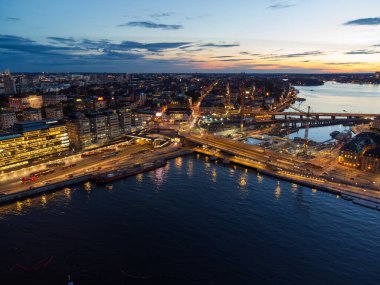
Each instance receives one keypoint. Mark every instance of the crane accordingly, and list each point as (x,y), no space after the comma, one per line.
(307,125)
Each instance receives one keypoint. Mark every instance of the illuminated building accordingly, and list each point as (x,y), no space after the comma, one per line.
(98,126)
(31,114)
(78,128)
(30,141)
(18,103)
(54,112)
(371,160)
(125,120)
(351,154)
(7,119)
(113,125)
(35,101)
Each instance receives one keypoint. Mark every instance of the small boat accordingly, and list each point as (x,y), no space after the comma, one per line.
(347,197)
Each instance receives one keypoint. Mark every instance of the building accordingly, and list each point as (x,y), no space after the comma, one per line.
(18,103)
(79,131)
(371,160)
(31,114)
(125,120)
(7,119)
(376,124)
(30,141)
(53,99)
(351,154)
(98,126)
(34,101)
(113,125)
(54,112)
(9,85)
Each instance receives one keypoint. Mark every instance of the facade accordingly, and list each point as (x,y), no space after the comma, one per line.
(9,85)
(113,125)
(376,124)
(7,119)
(54,112)
(18,103)
(78,128)
(32,140)
(98,126)
(125,120)
(34,101)
(53,99)
(352,153)
(31,114)
(371,160)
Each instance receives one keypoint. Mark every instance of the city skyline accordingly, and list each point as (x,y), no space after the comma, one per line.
(171,36)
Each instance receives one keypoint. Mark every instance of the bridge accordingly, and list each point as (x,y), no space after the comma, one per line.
(316,115)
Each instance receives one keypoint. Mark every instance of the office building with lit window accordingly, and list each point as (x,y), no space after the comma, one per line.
(30,141)
(78,128)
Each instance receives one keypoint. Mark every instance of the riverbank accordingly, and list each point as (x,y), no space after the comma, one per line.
(345,191)
(30,191)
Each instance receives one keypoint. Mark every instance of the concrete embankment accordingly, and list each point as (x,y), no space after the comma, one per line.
(34,191)
(366,198)
(43,189)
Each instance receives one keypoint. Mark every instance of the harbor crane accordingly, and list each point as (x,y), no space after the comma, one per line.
(307,125)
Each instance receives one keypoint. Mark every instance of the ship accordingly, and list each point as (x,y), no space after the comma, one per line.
(127,172)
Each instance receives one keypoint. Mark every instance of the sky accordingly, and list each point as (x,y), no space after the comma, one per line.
(258,36)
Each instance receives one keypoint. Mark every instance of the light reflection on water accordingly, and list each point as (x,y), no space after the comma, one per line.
(215,231)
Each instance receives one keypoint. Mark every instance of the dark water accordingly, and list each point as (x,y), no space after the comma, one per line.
(192,222)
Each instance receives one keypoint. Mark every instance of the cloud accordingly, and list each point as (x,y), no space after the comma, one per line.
(363,22)
(222,56)
(363,51)
(220,45)
(249,53)
(62,53)
(151,25)
(10,19)
(62,40)
(276,5)
(162,15)
(293,55)
(343,63)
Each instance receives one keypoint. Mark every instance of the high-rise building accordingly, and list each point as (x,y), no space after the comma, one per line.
(98,126)
(78,128)
(113,125)
(125,120)
(31,140)
(9,85)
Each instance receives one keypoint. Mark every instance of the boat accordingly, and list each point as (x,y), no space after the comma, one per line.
(347,197)
(127,172)
(299,99)
(364,203)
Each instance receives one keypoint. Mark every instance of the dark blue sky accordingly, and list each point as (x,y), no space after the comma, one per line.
(188,36)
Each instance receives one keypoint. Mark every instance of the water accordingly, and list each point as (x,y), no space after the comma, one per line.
(191,222)
(337,97)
